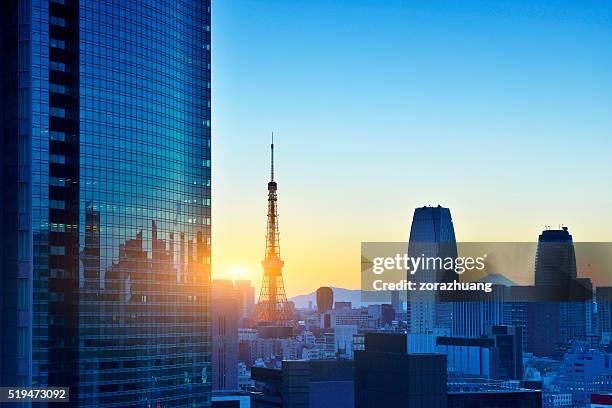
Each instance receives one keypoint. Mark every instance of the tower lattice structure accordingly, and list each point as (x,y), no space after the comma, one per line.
(273,307)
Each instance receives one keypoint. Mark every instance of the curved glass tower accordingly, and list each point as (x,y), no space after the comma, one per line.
(431,235)
(105,268)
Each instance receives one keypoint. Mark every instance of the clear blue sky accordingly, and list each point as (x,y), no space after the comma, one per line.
(501,111)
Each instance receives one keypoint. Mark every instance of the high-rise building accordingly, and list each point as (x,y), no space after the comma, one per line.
(226,304)
(325,299)
(556,323)
(604,312)
(387,376)
(555,258)
(472,318)
(497,356)
(431,235)
(246,294)
(105,209)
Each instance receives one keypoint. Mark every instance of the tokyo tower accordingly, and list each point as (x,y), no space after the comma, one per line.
(273,308)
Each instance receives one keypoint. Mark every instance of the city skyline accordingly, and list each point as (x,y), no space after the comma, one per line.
(418,149)
(495,111)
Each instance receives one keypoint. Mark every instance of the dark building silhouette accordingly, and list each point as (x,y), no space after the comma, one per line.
(544,328)
(304,384)
(105,200)
(484,395)
(387,314)
(325,299)
(553,324)
(555,259)
(386,376)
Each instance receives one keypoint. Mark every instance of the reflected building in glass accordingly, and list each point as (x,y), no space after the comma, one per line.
(105,200)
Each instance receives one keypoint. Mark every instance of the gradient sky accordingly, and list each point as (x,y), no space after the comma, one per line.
(501,111)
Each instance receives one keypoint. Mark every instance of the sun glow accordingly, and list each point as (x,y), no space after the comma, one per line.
(239,272)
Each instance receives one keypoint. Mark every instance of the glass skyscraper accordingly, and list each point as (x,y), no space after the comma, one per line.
(555,324)
(105,200)
(431,235)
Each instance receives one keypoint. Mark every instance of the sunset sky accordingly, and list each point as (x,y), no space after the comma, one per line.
(501,111)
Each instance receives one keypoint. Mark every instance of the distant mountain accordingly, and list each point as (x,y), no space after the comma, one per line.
(497,279)
(340,295)
(354,295)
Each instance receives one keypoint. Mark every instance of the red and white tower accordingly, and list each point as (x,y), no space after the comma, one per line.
(273,308)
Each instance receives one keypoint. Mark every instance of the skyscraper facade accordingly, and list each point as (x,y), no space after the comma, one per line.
(473,318)
(431,235)
(105,180)
(555,258)
(556,323)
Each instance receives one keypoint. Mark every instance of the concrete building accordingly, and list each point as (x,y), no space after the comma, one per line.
(584,372)
(343,340)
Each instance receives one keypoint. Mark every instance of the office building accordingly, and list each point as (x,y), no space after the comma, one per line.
(604,311)
(304,384)
(246,296)
(325,299)
(583,372)
(362,317)
(496,356)
(556,323)
(105,179)
(386,376)
(343,306)
(432,235)
(481,394)
(555,258)
(343,340)
(226,308)
(473,317)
